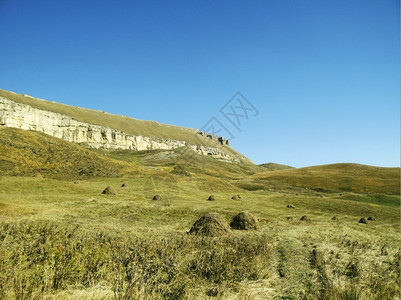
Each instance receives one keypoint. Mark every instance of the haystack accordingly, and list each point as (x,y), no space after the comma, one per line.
(157,197)
(211,224)
(245,221)
(211,198)
(363,221)
(109,191)
(305,219)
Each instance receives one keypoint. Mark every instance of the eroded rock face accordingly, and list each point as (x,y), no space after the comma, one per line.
(22,116)
(220,139)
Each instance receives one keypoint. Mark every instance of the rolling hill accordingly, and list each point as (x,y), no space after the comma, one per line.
(344,177)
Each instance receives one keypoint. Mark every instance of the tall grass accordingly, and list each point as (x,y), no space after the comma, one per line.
(41,258)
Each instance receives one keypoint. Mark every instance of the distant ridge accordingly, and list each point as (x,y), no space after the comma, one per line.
(274,166)
(341,177)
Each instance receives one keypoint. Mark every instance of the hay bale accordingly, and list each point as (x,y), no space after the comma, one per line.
(290,206)
(213,292)
(236,197)
(245,221)
(363,221)
(305,219)
(109,191)
(211,198)
(157,197)
(211,224)
(371,219)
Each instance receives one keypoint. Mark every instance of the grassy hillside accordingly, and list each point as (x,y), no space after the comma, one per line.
(123,123)
(185,162)
(273,166)
(335,178)
(28,153)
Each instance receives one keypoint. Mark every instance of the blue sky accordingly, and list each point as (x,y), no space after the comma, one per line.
(324,75)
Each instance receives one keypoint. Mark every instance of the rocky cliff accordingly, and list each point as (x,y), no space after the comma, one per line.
(19,115)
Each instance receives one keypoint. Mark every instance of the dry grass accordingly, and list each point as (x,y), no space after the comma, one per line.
(336,178)
(91,245)
(62,240)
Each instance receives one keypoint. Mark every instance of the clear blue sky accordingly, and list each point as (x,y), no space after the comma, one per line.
(324,75)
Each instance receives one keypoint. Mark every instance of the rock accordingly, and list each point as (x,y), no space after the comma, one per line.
(211,224)
(211,198)
(108,191)
(363,221)
(290,219)
(371,219)
(290,206)
(236,197)
(334,218)
(124,185)
(220,139)
(245,221)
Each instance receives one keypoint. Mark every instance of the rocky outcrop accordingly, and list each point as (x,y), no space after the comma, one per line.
(220,139)
(22,116)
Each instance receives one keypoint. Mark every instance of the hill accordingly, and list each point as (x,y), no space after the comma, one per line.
(28,153)
(124,124)
(274,166)
(335,178)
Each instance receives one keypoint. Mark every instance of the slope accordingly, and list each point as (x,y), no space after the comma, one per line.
(27,153)
(123,123)
(335,178)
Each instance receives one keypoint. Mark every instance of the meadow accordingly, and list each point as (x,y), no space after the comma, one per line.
(65,240)
(61,238)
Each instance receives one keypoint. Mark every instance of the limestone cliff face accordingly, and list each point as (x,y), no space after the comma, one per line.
(17,115)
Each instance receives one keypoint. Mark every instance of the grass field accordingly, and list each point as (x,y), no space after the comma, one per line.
(60,238)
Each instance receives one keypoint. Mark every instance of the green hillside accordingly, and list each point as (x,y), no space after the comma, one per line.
(274,166)
(28,153)
(335,178)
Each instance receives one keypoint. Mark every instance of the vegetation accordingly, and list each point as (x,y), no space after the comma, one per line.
(336,178)
(61,238)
